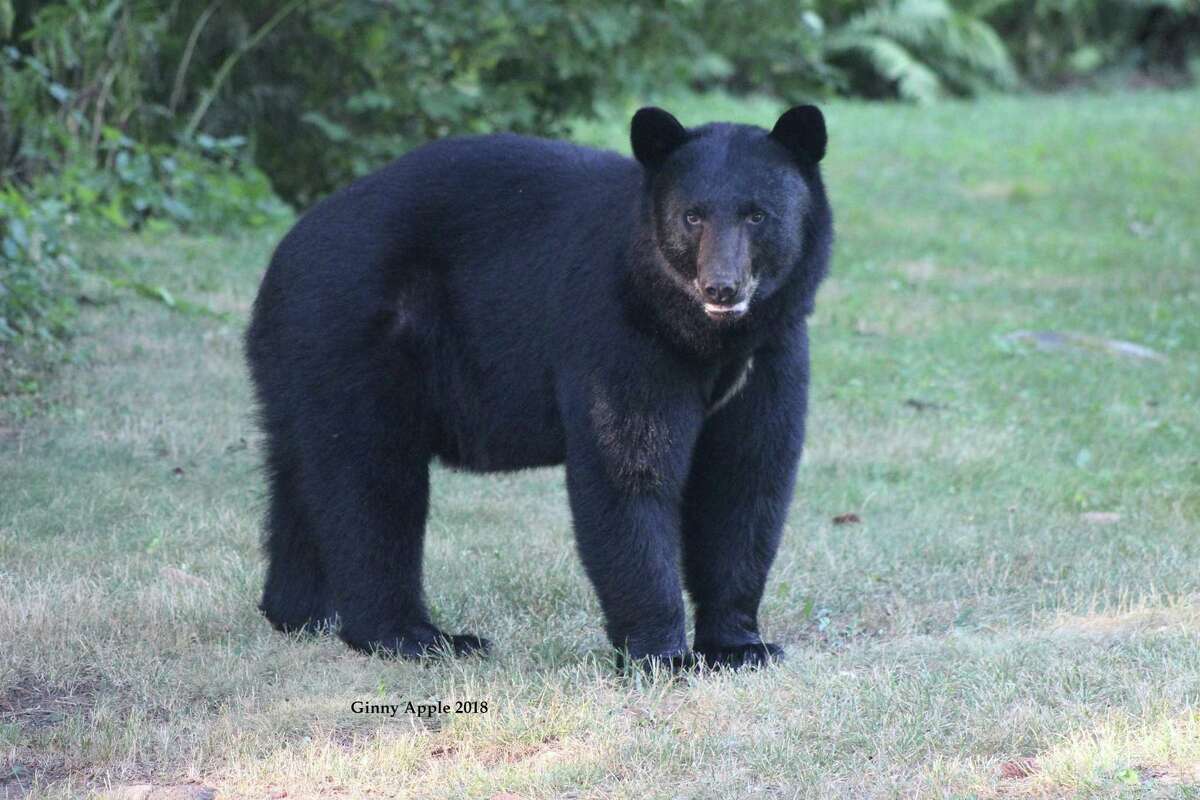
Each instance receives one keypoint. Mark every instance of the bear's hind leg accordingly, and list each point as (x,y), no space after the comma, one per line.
(370,457)
(295,595)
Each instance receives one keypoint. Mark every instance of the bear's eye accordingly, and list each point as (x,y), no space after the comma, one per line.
(756,217)
(691,218)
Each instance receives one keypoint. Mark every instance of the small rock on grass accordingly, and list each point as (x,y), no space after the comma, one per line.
(1056,340)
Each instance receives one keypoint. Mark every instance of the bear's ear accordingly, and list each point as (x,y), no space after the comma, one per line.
(654,133)
(802,131)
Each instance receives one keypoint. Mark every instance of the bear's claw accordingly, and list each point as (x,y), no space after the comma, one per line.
(752,656)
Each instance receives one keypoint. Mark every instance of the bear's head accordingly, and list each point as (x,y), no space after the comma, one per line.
(736,212)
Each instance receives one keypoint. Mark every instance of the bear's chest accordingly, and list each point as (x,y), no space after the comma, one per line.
(726,382)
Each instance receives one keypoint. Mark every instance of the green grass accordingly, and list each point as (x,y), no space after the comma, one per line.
(973,618)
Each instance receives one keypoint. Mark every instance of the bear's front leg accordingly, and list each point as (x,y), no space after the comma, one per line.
(628,451)
(735,503)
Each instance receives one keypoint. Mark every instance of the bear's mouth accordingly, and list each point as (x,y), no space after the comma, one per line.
(726,312)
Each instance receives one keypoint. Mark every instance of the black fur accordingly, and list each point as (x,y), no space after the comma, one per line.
(503,302)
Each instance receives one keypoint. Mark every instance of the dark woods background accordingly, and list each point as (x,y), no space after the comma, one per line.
(131,114)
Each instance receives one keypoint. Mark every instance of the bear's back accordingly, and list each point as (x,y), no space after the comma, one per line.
(456,203)
(464,249)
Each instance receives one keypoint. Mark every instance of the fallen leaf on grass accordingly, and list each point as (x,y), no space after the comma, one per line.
(923,405)
(1020,768)
(1129,775)
(1100,517)
(847,519)
(1017,191)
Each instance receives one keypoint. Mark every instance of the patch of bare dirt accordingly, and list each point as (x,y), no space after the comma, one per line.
(32,703)
(22,767)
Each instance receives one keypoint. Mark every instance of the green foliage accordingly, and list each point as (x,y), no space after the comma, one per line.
(763,47)
(347,86)
(72,68)
(920,49)
(1057,42)
(204,185)
(200,187)
(84,133)
(69,165)
(923,49)
(324,92)
(912,49)
(38,266)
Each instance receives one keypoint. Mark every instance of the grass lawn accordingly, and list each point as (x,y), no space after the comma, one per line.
(1017,614)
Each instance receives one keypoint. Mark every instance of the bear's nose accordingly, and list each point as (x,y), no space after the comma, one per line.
(720,292)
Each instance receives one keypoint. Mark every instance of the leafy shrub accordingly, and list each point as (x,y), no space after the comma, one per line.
(912,49)
(760,46)
(206,185)
(345,87)
(39,266)
(919,50)
(1057,42)
(324,91)
(101,171)
(68,168)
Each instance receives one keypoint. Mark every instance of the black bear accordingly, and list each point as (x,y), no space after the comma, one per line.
(501,302)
